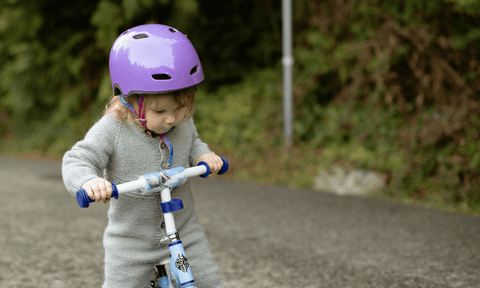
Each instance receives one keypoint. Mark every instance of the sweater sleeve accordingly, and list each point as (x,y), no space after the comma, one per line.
(198,147)
(88,157)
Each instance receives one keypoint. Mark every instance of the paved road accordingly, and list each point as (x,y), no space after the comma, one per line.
(262,236)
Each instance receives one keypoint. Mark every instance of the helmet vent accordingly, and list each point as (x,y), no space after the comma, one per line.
(140,36)
(161,77)
(194,70)
(172,30)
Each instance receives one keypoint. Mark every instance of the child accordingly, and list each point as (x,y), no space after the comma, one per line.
(147,127)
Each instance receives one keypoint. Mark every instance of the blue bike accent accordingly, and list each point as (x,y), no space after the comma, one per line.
(171,173)
(115,191)
(188,283)
(206,166)
(224,167)
(166,178)
(83,199)
(175,243)
(163,281)
(179,265)
(172,206)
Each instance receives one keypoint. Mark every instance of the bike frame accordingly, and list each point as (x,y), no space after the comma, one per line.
(180,274)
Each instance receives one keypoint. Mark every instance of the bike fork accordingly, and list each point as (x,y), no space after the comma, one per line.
(160,277)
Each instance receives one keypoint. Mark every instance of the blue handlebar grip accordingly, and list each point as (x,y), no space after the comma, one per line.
(208,169)
(224,167)
(84,201)
(222,171)
(114,191)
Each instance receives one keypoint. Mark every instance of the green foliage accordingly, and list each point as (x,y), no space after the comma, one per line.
(240,116)
(54,54)
(467,6)
(39,61)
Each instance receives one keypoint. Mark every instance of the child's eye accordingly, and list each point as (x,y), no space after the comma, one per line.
(161,111)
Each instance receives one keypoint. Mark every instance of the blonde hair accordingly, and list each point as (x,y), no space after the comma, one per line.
(184,97)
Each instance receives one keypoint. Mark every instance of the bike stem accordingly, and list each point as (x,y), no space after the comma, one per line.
(168,217)
(179,264)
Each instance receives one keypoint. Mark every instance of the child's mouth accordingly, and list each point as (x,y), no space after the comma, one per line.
(163,130)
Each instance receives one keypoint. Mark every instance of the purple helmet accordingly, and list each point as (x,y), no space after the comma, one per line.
(153,58)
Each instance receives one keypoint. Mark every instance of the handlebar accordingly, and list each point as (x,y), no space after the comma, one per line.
(149,182)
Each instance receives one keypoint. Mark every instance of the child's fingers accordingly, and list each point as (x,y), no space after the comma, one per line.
(98,189)
(109,191)
(89,192)
(214,162)
(88,189)
(102,187)
(217,163)
(94,189)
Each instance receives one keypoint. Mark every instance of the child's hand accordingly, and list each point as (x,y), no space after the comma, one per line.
(214,161)
(99,189)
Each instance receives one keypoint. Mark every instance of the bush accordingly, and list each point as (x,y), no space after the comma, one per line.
(386,72)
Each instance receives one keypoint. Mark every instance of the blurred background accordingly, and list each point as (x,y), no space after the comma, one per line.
(388,86)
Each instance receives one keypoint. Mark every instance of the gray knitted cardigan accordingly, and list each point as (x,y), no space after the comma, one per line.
(122,151)
(126,152)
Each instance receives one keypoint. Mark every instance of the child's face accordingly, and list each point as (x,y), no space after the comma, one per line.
(163,112)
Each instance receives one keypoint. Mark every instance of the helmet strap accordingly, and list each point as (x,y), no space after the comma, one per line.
(141,110)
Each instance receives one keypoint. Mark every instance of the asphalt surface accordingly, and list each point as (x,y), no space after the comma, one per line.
(261,236)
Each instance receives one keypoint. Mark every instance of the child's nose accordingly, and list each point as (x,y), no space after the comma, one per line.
(170,118)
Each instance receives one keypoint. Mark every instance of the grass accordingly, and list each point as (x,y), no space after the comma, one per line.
(298,170)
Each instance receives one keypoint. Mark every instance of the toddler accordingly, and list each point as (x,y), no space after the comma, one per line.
(146,127)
